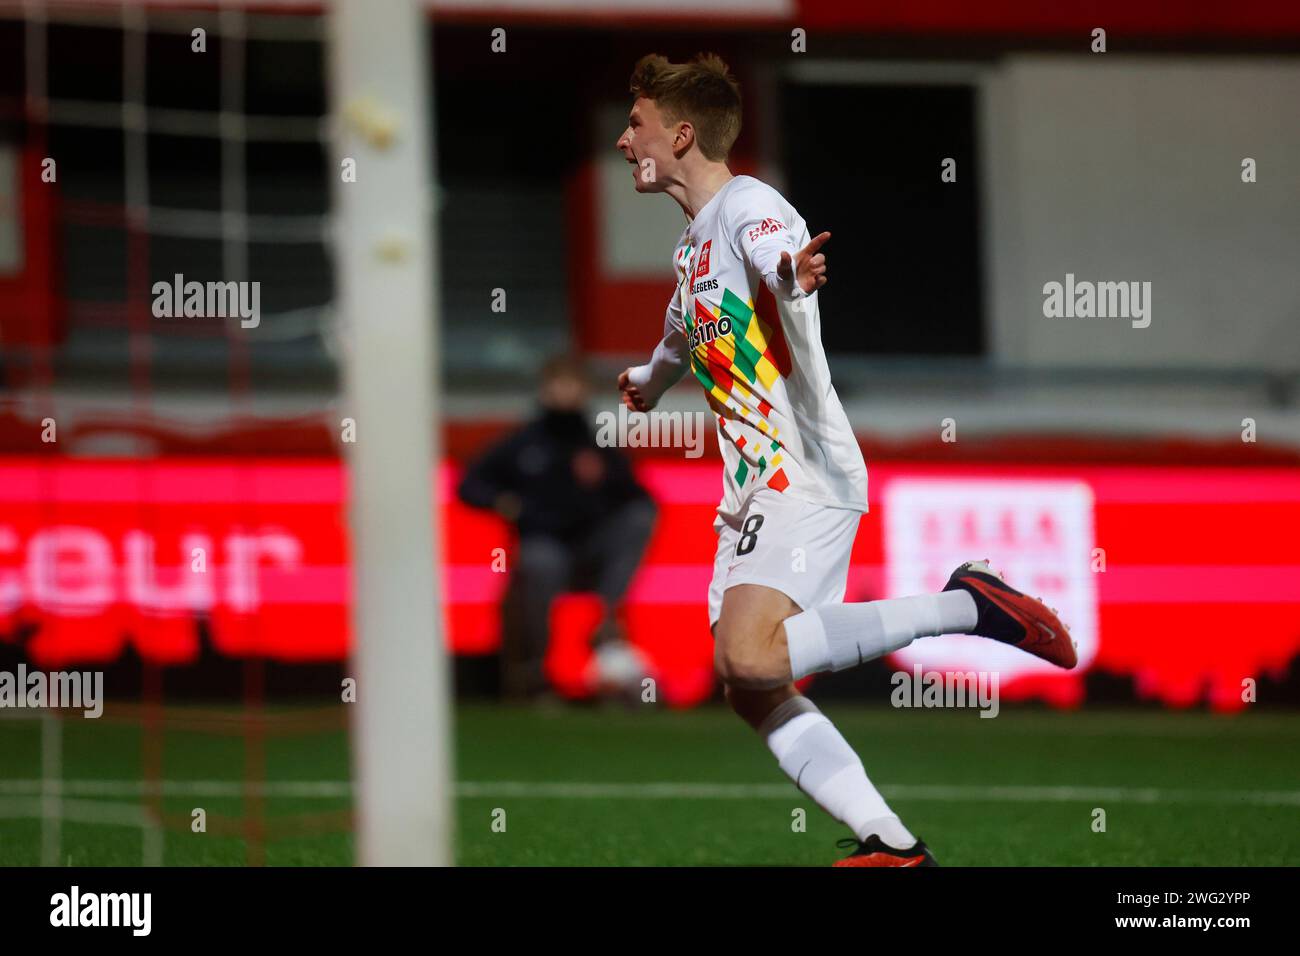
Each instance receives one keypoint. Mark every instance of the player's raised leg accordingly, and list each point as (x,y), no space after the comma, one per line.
(807,746)
(975,601)
(835,637)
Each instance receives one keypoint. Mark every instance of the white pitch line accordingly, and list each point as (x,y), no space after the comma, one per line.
(942,793)
(179,788)
(77,811)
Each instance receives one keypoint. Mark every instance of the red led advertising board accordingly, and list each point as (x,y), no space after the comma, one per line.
(1185,580)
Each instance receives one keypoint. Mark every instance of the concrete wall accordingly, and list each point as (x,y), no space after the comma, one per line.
(1126,168)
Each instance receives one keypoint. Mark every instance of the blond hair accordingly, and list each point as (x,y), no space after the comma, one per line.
(702,92)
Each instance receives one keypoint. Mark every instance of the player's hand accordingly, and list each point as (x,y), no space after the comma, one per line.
(808,267)
(632,396)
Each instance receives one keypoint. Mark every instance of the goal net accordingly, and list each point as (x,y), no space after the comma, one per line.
(216,283)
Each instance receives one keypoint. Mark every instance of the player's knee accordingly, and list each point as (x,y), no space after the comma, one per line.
(730,662)
(746,661)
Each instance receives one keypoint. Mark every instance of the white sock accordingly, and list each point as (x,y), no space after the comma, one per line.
(823,765)
(836,636)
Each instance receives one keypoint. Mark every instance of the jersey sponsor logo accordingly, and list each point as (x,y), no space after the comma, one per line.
(702,267)
(708,285)
(706,330)
(766,228)
(697,261)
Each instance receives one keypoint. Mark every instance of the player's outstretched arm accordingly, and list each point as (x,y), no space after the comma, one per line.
(807,267)
(768,246)
(642,385)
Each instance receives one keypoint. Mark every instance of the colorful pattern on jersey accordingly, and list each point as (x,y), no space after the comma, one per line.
(757,355)
(738,354)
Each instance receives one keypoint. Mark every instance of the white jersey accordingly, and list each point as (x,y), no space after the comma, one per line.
(754,343)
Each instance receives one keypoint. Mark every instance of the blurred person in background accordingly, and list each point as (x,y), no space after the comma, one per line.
(583,523)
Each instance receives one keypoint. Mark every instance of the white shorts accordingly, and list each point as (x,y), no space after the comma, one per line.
(799,548)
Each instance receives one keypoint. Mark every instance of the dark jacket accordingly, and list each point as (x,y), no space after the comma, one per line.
(537,464)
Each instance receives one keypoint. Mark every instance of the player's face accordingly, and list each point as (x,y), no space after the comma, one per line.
(648,145)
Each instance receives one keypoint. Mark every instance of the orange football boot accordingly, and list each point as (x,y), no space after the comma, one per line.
(1011,617)
(874,852)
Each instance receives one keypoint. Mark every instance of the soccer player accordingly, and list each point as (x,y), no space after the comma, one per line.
(744,321)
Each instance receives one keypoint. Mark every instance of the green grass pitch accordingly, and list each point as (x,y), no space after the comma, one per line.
(610,786)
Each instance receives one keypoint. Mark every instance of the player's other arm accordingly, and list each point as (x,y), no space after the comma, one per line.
(643,385)
(769,247)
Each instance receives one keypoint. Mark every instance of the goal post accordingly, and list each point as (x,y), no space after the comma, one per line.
(386,272)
